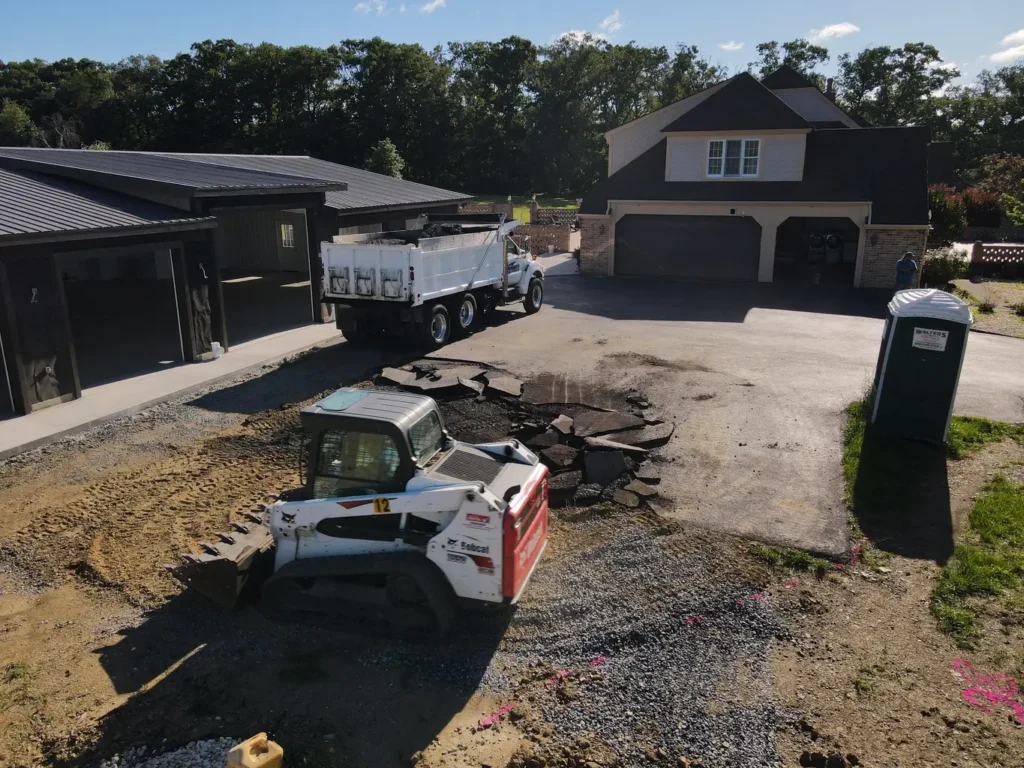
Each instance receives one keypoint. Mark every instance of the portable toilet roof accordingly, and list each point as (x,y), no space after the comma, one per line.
(930,302)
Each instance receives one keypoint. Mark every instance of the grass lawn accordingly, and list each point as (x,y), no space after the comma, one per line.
(898,492)
(521,204)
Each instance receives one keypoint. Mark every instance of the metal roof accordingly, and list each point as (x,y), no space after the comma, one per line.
(168,170)
(366,190)
(40,208)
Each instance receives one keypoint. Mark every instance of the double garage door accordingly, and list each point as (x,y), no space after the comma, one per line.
(688,247)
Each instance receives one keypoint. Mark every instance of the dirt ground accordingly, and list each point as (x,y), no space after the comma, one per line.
(1004,295)
(677,648)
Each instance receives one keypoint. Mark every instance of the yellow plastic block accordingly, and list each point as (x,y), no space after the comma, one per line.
(257,752)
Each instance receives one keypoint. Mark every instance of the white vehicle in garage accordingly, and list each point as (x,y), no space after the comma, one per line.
(438,279)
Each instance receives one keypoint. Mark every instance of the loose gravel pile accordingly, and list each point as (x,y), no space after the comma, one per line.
(212,753)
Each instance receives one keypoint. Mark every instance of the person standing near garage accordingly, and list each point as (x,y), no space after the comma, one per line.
(906,268)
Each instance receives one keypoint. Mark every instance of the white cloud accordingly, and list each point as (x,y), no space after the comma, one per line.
(377,6)
(1014,38)
(612,23)
(832,31)
(732,45)
(1001,57)
(945,65)
(432,6)
(402,8)
(578,36)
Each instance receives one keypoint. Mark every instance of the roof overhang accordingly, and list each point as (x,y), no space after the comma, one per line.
(156,228)
(397,206)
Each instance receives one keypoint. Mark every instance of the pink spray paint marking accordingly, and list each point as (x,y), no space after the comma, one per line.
(490,720)
(599,660)
(695,620)
(560,675)
(997,689)
(792,583)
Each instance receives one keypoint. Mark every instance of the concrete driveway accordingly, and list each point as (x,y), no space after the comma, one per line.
(756,377)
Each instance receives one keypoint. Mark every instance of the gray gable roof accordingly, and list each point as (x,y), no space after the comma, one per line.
(366,190)
(165,170)
(38,208)
(786,77)
(742,104)
(887,167)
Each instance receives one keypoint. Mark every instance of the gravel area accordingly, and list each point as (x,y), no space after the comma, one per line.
(212,753)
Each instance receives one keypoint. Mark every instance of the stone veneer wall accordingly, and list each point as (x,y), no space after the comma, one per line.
(597,243)
(883,248)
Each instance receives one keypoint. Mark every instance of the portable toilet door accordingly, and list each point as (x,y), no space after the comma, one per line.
(919,364)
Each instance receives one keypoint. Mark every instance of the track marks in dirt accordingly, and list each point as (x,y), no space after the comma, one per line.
(119,531)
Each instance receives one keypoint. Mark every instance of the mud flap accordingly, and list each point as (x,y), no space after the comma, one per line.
(224,569)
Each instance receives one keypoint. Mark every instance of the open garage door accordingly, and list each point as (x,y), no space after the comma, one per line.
(688,247)
(122,312)
(264,272)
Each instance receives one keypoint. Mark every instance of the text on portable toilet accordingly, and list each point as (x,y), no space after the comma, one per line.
(930,338)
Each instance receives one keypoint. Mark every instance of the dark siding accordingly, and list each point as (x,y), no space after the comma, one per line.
(251,241)
(941,163)
(742,104)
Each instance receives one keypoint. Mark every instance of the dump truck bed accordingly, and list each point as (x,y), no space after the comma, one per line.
(407,268)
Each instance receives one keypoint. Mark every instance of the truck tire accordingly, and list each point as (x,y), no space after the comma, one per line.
(466,315)
(354,331)
(437,328)
(534,296)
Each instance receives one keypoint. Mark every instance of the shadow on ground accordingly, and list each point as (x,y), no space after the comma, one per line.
(329,697)
(322,368)
(901,497)
(713,302)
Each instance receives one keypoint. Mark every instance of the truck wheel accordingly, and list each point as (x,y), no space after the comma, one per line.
(437,329)
(354,331)
(534,296)
(466,318)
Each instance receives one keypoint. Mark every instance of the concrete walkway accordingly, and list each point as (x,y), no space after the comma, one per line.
(119,398)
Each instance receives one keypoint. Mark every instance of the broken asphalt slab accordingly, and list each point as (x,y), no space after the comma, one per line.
(505,385)
(561,389)
(592,423)
(563,424)
(559,456)
(650,436)
(597,444)
(604,467)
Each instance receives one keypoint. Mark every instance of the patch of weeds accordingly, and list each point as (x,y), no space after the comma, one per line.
(965,295)
(990,563)
(15,678)
(969,433)
(304,667)
(794,559)
(864,683)
(986,307)
(1018,309)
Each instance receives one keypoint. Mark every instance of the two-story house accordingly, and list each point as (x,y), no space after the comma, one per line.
(758,181)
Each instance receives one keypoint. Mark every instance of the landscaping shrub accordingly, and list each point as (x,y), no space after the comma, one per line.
(987,307)
(1018,308)
(941,266)
(982,209)
(949,215)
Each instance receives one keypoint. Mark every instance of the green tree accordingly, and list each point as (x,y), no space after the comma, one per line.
(384,158)
(1002,174)
(894,86)
(801,55)
(16,127)
(685,74)
(949,215)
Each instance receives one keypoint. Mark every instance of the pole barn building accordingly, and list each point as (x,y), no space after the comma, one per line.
(115,264)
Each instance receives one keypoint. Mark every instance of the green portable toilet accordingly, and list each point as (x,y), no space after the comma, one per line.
(919,363)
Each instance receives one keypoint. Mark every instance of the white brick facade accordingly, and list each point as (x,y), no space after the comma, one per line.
(883,246)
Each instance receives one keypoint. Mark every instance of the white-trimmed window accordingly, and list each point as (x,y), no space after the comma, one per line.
(733,158)
(287,235)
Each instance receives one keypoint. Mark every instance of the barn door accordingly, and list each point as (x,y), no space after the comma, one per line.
(48,368)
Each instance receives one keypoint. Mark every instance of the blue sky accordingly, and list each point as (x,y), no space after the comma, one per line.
(989,35)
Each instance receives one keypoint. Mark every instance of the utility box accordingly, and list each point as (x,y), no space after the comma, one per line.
(919,364)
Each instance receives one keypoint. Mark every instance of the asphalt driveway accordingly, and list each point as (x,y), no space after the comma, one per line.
(756,377)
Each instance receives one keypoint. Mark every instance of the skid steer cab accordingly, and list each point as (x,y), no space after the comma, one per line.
(396,522)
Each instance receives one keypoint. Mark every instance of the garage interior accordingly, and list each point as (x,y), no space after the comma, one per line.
(121,311)
(688,247)
(264,259)
(818,250)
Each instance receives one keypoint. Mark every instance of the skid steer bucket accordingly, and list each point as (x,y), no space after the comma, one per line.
(224,568)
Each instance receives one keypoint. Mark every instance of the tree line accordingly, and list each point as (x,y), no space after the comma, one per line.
(488,117)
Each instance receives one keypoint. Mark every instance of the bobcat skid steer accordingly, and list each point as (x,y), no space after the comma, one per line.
(396,523)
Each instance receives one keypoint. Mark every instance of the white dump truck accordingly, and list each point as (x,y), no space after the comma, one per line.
(429,283)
